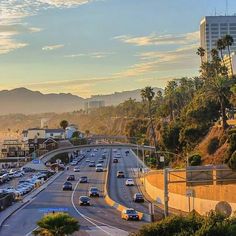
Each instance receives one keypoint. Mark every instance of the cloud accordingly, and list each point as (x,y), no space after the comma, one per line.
(13,12)
(96,55)
(8,44)
(64,3)
(183,58)
(154,39)
(52,47)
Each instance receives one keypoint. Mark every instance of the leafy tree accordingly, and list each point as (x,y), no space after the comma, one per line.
(213,145)
(64,124)
(57,224)
(195,160)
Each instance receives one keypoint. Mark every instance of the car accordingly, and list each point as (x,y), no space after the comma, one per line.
(103,156)
(115,160)
(76,169)
(92,155)
(87,160)
(117,155)
(100,160)
(71,178)
(74,163)
(92,164)
(129,182)
(99,168)
(129,214)
(67,186)
(84,200)
(93,192)
(120,174)
(83,179)
(138,197)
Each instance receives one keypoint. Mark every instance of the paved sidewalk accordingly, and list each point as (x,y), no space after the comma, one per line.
(18,205)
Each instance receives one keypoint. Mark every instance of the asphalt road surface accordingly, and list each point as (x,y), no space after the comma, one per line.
(98,219)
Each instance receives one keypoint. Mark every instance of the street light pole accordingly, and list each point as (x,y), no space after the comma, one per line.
(166,197)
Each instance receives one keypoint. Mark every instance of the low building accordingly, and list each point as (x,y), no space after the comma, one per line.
(70,129)
(227,63)
(93,104)
(13,148)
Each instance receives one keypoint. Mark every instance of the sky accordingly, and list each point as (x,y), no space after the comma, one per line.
(88,47)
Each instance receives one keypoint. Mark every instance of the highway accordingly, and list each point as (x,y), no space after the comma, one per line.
(98,219)
(119,192)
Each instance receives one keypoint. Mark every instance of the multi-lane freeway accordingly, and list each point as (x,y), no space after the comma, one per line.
(97,219)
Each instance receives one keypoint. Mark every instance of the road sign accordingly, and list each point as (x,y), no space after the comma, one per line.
(49,210)
(36,161)
(162,158)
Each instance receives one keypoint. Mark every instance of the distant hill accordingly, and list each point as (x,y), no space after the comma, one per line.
(119,97)
(25,101)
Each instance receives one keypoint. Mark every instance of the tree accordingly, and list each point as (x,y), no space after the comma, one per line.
(220,44)
(218,89)
(87,132)
(228,42)
(201,52)
(57,224)
(64,124)
(148,95)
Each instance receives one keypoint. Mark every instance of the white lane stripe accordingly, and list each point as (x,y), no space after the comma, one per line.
(82,215)
(32,231)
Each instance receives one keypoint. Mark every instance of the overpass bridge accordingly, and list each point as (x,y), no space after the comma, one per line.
(46,157)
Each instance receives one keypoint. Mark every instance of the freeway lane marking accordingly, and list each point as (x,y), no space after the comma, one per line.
(82,215)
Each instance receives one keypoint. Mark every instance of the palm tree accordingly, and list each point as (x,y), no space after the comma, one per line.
(57,224)
(148,95)
(221,46)
(218,89)
(228,42)
(201,52)
(87,132)
(64,124)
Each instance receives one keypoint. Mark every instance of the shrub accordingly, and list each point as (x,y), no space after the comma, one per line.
(213,146)
(232,161)
(195,160)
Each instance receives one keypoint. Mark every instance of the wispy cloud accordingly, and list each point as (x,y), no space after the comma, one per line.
(52,47)
(96,55)
(13,13)
(154,39)
(154,61)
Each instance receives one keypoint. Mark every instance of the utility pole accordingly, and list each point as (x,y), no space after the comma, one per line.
(166,197)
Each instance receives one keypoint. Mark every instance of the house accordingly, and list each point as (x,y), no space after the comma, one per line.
(41,139)
(13,148)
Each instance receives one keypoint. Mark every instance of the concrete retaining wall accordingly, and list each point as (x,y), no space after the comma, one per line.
(178,199)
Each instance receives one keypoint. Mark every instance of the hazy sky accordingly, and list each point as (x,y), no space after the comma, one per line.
(100,46)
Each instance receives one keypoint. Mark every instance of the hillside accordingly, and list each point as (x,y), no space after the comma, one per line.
(24,101)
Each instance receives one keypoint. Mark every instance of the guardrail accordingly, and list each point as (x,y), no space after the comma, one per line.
(46,157)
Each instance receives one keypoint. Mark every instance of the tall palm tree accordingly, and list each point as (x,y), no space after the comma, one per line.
(228,42)
(201,52)
(57,224)
(221,46)
(218,89)
(148,95)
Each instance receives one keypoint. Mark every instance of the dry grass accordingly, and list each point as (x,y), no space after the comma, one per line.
(218,156)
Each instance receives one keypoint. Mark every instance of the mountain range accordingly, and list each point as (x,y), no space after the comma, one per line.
(25,101)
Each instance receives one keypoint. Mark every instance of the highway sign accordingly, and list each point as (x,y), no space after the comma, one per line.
(36,161)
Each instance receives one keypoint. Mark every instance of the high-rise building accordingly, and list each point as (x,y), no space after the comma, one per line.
(213,28)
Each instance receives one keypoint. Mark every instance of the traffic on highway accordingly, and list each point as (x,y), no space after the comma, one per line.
(80,190)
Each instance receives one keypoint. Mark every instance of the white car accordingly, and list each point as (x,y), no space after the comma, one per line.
(76,169)
(87,160)
(129,182)
(99,168)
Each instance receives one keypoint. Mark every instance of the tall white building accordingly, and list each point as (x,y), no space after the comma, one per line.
(213,28)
